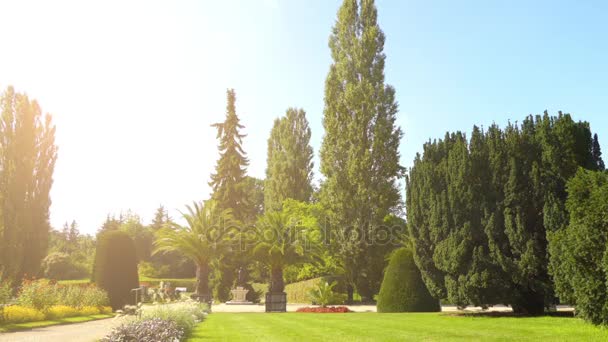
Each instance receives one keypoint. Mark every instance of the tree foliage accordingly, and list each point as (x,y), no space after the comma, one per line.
(115,268)
(402,288)
(359,153)
(231,168)
(202,239)
(27,161)
(579,253)
(281,242)
(289,163)
(479,210)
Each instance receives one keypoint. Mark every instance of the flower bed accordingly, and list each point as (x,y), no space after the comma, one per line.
(329,309)
(164,322)
(40,300)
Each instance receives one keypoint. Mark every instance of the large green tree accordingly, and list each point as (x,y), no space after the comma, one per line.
(289,163)
(27,161)
(479,210)
(579,262)
(231,168)
(359,153)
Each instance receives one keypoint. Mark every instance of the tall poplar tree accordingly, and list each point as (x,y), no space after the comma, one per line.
(227,181)
(359,153)
(27,161)
(289,165)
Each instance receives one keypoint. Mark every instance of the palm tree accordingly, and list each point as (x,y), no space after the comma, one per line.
(202,239)
(281,242)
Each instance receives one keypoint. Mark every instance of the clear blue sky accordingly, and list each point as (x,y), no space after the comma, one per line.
(134,85)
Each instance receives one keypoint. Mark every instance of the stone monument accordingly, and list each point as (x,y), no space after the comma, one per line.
(239,294)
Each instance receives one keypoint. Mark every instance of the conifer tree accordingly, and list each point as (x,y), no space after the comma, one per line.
(227,181)
(597,154)
(480,212)
(359,153)
(289,163)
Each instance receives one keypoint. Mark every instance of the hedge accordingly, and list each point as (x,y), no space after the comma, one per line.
(299,293)
(403,289)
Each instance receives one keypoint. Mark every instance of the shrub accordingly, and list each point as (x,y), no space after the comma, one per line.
(89,310)
(105,310)
(151,330)
(5,291)
(79,296)
(402,289)
(324,294)
(115,268)
(61,311)
(38,294)
(21,314)
(185,315)
(300,292)
(60,266)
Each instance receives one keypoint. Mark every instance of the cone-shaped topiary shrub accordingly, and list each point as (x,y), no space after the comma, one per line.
(115,268)
(402,289)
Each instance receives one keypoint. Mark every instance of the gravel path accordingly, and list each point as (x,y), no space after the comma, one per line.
(77,332)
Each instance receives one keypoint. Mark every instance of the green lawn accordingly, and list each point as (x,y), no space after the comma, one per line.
(40,324)
(391,327)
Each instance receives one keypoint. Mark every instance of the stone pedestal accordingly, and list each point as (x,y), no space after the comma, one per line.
(276,302)
(239,296)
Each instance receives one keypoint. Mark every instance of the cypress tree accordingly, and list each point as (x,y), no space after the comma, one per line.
(115,267)
(27,162)
(597,154)
(359,153)
(227,181)
(289,164)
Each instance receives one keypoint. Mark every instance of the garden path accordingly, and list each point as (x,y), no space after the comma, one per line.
(77,332)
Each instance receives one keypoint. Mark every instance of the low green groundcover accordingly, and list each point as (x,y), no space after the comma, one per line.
(391,327)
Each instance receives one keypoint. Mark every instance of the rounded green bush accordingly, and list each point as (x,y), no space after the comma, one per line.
(115,268)
(402,289)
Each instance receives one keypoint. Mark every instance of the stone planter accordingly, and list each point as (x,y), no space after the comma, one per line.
(276,302)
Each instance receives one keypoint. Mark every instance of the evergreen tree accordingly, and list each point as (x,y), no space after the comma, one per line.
(578,252)
(479,211)
(227,181)
(289,163)
(597,154)
(359,153)
(27,161)
(160,220)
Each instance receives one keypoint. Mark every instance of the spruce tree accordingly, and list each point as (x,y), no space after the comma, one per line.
(27,162)
(289,164)
(227,181)
(359,153)
(229,193)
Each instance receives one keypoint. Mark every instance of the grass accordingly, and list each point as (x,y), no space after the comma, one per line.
(41,324)
(391,327)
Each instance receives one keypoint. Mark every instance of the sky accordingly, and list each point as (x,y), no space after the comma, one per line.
(133,86)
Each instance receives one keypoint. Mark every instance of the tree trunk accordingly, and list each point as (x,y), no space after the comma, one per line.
(349,291)
(276,280)
(529,303)
(202,283)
